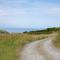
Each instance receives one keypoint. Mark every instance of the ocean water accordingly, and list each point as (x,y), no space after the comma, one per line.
(21,29)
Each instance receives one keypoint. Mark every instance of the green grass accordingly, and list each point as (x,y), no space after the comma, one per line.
(3,31)
(10,43)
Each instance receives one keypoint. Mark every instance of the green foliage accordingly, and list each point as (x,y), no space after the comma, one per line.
(45,31)
(3,31)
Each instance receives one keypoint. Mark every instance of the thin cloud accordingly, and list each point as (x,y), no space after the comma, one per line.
(28,13)
(54,11)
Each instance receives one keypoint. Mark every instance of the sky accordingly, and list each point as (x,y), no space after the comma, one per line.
(29,13)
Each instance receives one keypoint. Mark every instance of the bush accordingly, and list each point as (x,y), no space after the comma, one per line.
(3,31)
(45,31)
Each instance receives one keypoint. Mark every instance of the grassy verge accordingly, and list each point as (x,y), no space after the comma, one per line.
(56,42)
(9,43)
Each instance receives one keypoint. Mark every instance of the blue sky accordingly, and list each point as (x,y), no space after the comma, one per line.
(29,13)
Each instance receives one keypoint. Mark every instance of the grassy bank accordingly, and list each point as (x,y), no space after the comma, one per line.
(56,41)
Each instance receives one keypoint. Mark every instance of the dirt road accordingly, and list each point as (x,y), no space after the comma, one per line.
(41,50)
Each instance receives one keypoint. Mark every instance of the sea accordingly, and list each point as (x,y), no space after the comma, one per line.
(20,30)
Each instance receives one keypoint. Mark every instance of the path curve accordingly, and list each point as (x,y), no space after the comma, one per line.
(40,50)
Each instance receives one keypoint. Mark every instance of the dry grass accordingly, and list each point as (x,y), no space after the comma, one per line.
(56,41)
(9,43)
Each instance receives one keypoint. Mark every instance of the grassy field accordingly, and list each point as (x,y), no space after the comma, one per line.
(10,43)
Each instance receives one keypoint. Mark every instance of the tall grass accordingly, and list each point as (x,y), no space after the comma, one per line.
(9,43)
(56,42)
